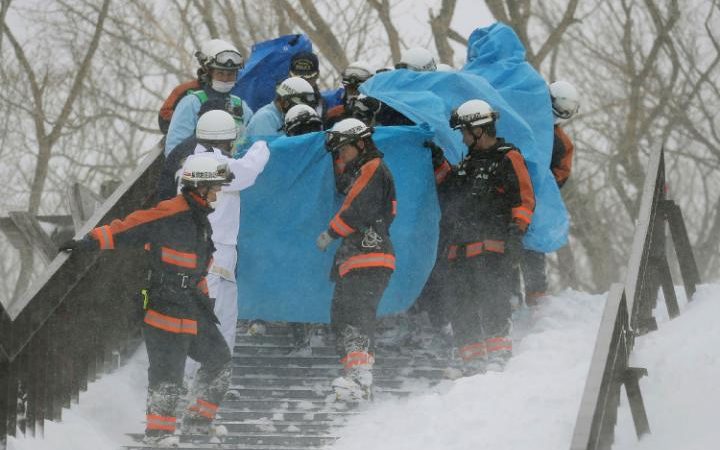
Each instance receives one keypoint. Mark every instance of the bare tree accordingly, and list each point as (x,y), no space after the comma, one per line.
(518,14)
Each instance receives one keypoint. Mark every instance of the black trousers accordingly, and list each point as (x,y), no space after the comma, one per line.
(533,270)
(354,307)
(431,298)
(477,294)
(167,353)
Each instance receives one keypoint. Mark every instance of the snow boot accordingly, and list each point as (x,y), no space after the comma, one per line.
(355,386)
(499,351)
(164,440)
(200,426)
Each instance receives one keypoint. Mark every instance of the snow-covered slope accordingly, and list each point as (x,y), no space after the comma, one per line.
(533,404)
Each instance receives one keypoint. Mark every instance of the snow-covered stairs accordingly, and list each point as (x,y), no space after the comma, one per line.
(285,402)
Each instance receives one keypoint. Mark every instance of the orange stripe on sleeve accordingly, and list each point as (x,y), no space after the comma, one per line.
(523,212)
(164,209)
(562,170)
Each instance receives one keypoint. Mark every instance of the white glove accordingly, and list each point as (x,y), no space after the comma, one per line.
(324,240)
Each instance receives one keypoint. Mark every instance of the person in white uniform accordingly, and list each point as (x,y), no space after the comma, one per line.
(216,132)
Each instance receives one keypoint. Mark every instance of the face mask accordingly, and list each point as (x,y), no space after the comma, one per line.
(223,86)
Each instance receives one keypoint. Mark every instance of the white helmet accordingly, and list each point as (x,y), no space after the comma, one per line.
(356,73)
(297,90)
(347,131)
(565,99)
(417,59)
(220,54)
(301,119)
(442,67)
(204,170)
(473,113)
(216,125)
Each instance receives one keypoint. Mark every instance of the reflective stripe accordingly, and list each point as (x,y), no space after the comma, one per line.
(355,359)
(105,237)
(176,258)
(498,344)
(522,213)
(170,324)
(442,171)
(473,351)
(476,248)
(340,227)
(367,260)
(165,423)
(205,409)
(495,246)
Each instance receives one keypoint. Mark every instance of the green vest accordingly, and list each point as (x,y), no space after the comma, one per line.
(236,104)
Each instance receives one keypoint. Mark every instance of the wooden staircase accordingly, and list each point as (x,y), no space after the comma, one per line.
(283,402)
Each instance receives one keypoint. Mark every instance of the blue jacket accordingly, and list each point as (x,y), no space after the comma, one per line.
(267,121)
(185,117)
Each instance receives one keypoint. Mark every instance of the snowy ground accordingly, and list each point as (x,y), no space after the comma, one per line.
(533,404)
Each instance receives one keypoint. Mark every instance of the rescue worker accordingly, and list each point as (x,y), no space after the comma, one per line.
(302,119)
(269,120)
(222,61)
(565,104)
(353,76)
(216,134)
(366,259)
(487,204)
(299,120)
(305,65)
(179,321)
(374,112)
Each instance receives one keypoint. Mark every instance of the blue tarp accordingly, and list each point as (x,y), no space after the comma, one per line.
(268,65)
(281,274)
(512,87)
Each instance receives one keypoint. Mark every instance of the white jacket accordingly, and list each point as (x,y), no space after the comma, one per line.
(225,220)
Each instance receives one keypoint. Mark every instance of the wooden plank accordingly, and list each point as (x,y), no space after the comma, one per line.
(82,203)
(653,192)
(34,234)
(596,407)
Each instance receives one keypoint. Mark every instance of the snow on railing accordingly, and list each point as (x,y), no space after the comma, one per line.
(76,321)
(628,313)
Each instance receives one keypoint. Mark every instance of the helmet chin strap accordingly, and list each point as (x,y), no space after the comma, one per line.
(476,137)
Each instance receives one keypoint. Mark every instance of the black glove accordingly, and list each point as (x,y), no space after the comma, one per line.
(438,155)
(514,245)
(74,245)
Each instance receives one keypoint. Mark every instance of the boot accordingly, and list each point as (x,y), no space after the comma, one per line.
(195,425)
(355,386)
(499,351)
(162,440)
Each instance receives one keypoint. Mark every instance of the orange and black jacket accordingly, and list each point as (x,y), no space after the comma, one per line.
(562,155)
(335,115)
(176,233)
(365,216)
(481,199)
(168,107)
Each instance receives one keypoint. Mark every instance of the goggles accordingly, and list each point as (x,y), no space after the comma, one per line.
(227,59)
